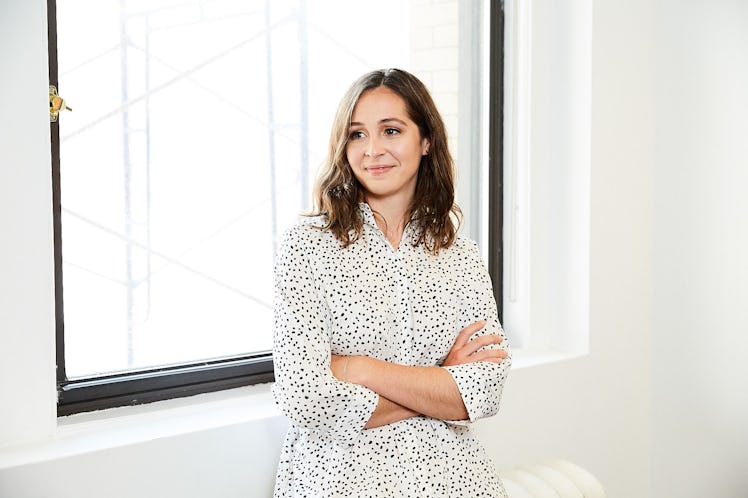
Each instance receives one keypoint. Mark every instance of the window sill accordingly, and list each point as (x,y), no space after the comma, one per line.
(531,357)
(117,427)
(95,431)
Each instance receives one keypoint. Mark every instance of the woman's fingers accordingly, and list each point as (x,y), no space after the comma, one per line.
(464,336)
(467,350)
(495,355)
(481,342)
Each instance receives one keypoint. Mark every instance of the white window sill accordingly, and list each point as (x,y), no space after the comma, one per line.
(530,357)
(117,427)
(95,431)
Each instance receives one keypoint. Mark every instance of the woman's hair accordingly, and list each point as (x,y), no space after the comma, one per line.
(337,192)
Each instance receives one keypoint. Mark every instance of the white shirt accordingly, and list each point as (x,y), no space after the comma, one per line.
(404,306)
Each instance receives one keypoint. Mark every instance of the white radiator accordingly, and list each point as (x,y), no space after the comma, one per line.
(552,479)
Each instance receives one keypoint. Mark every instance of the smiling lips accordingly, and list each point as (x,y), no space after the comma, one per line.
(378,169)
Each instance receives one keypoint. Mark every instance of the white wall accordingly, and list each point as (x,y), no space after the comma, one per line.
(700,344)
(26,259)
(627,411)
(595,410)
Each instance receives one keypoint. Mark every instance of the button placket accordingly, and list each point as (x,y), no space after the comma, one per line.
(404,312)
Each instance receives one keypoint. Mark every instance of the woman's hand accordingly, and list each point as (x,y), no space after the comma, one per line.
(465,350)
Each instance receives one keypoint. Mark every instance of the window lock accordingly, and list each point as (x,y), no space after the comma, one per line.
(56,104)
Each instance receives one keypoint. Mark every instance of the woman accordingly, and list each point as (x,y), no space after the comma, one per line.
(386,339)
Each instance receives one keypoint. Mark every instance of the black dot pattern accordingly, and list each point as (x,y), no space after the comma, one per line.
(404,306)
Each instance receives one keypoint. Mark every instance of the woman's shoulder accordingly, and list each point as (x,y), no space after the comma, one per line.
(464,251)
(306,222)
(463,244)
(306,229)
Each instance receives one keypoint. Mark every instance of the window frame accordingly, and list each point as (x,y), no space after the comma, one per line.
(149,385)
(495,216)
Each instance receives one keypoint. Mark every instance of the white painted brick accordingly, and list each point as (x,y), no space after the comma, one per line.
(446,81)
(448,102)
(435,56)
(422,38)
(426,76)
(446,36)
(450,121)
(438,14)
(434,59)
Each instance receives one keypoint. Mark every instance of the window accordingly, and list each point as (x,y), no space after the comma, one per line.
(197,129)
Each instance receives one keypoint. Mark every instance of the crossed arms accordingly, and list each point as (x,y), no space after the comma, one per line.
(407,391)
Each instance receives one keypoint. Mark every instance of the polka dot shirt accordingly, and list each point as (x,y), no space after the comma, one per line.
(403,306)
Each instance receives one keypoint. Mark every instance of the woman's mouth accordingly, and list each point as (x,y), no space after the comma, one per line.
(378,169)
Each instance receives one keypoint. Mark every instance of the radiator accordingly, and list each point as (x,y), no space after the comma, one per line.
(552,479)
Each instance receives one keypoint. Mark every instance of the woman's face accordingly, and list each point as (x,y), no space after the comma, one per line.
(385,146)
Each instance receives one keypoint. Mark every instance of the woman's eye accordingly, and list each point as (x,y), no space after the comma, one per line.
(356,134)
(391,131)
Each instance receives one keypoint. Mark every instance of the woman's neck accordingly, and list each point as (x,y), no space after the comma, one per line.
(390,217)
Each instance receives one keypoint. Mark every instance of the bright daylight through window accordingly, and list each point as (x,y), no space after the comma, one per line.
(196,132)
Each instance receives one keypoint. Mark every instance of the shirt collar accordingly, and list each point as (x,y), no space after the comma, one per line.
(368,216)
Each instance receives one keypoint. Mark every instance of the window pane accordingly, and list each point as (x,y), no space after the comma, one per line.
(198,127)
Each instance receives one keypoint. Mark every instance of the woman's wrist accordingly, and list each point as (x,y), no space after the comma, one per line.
(344,373)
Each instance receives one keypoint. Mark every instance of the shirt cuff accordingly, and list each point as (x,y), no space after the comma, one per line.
(350,422)
(468,379)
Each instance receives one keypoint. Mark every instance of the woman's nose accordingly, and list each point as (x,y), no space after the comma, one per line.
(374,147)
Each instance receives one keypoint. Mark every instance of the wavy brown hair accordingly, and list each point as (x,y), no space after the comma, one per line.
(337,192)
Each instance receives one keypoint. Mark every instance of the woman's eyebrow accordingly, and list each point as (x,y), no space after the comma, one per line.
(381,121)
(397,120)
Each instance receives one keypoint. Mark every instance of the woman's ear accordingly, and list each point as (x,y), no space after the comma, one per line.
(426,144)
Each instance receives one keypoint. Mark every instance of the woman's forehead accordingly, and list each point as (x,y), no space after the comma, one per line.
(379,104)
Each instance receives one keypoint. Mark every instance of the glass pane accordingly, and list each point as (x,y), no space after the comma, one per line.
(197,129)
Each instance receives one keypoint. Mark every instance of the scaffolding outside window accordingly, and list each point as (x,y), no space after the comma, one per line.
(198,129)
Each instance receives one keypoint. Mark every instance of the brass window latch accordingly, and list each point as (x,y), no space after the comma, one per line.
(56,104)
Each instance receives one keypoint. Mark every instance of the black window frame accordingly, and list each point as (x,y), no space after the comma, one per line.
(149,385)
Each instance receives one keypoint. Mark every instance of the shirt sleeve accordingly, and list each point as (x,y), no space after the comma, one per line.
(305,389)
(480,383)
